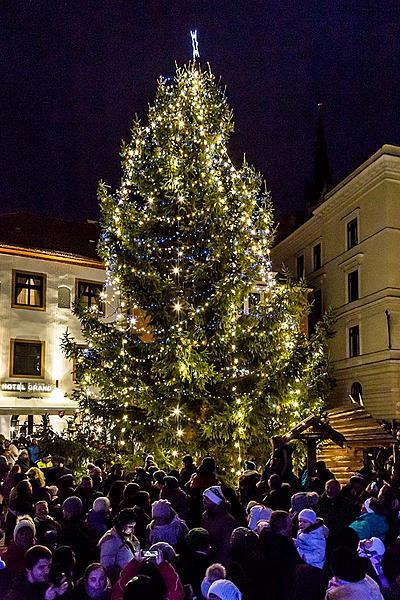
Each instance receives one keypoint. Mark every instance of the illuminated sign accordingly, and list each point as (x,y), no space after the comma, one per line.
(27,387)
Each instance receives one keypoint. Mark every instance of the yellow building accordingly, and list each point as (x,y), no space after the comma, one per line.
(348,251)
(45,265)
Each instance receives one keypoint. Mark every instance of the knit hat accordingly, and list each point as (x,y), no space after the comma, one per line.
(22,524)
(258,513)
(214,494)
(225,590)
(161,508)
(167,550)
(198,539)
(73,506)
(303,500)
(307,514)
(101,504)
(377,546)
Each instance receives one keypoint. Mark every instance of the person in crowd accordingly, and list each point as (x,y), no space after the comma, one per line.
(248,481)
(257,513)
(86,493)
(34,452)
(44,522)
(177,497)
(10,481)
(20,503)
(165,525)
(37,480)
(142,511)
(116,474)
(11,451)
(75,533)
(374,549)
(311,538)
(349,581)
(94,585)
(64,565)
(129,496)
(144,586)
(204,477)
(65,487)
(159,562)
(99,517)
(34,583)
(322,472)
(298,502)
(157,484)
(278,497)
(96,476)
(187,470)
(336,511)
(355,491)
(116,495)
(218,522)
(194,559)
(119,544)
(23,539)
(23,461)
(245,566)
(371,522)
(223,589)
(214,572)
(45,463)
(53,474)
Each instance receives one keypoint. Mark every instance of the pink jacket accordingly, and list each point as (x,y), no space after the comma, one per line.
(171,579)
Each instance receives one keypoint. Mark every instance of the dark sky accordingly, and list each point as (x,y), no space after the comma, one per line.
(74,73)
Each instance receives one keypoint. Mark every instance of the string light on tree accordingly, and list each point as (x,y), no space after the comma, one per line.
(182,351)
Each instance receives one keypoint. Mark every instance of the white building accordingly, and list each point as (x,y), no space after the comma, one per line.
(348,252)
(45,265)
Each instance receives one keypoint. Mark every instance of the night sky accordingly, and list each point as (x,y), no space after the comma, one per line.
(75,72)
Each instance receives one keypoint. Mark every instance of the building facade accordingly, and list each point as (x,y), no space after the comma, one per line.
(348,252)
(38,288)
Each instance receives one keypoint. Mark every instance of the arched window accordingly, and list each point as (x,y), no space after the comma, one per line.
(356,392)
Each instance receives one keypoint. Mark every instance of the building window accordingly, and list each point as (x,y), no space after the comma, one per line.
(29,290)
(300,267)
(254,299)
(354,341)
(317,257)
(64,297)
(88,293)
(352,233)
(27,358)
(315,300)
(356,392)
(352,286)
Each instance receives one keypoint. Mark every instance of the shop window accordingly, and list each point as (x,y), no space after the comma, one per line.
(27,358)
(89,294)
(352,286)
(64,297)
(352,233)
(317,257)
(29,290)
(354,341)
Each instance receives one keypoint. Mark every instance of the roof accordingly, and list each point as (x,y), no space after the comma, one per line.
(21,229)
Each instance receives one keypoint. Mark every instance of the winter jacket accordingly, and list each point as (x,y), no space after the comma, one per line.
(369,525)
(366,589)
(171,579)
(172,533)
(311,544)
(115,553)
(98,522)
(219,524)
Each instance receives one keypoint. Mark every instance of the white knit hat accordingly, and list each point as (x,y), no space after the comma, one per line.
(258,513)
(24,523)
(308,515)
(225,590)
(215,494)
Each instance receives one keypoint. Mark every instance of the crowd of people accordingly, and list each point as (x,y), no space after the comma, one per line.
(186,534)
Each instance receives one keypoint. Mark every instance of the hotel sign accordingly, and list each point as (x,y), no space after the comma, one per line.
(27,387)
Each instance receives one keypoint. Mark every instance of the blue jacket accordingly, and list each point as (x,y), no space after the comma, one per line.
(370,524)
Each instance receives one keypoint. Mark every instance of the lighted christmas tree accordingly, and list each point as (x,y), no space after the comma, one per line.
(200,350)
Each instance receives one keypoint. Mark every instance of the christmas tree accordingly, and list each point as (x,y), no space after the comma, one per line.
(195,347)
